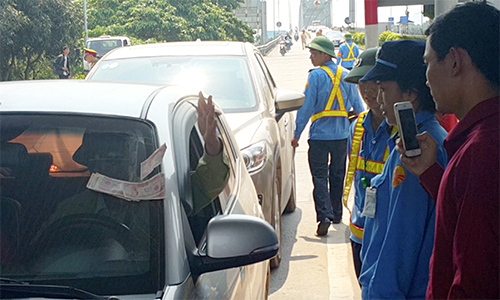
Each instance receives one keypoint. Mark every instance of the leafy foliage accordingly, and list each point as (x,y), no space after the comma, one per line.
(33,32)
(163,20)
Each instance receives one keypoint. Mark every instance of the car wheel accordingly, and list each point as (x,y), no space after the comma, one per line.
(292,201)
(275,261)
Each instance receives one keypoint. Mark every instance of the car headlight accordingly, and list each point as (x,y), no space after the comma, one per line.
(255,156)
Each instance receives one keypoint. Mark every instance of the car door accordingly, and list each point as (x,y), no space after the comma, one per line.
(223,284)
(286,127)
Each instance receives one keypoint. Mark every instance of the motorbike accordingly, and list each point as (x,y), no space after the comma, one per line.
(283,47)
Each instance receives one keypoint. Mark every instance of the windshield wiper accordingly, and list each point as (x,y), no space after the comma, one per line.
(19,289)
(8,280)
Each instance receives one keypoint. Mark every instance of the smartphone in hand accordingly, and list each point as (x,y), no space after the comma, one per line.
(407,127)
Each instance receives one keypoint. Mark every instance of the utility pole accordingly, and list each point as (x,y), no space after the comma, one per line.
(85,22)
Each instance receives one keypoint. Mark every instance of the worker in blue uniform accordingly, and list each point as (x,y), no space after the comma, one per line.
(348,52)
(398,235)
(328,100)
(367,149)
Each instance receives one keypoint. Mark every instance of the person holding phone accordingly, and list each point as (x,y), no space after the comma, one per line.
(399,228)
(463,74)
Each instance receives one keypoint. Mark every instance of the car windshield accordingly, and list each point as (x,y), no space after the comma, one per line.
(104,46)
(61,227)
(334,35)
(227,79)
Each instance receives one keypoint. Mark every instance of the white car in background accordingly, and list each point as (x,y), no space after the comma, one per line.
(236,75)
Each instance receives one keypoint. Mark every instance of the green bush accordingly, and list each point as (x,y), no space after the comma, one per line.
(359,38)
(388,36)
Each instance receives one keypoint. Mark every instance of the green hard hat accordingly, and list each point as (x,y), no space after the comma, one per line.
(362,65)
(322,44)
(347,36)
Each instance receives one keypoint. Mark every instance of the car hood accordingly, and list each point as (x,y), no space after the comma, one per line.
(244,126)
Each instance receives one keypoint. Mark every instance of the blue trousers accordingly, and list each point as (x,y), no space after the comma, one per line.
(327,162)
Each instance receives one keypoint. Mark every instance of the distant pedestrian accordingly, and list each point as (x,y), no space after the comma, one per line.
(319,32)
(348,52)
(399,227)
(303,38)
(463,74)
(367,149)
(328,100)
(61,65)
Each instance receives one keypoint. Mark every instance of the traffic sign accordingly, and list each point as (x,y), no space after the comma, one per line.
(347,21)
(391,19)
(403,20)
(278,24)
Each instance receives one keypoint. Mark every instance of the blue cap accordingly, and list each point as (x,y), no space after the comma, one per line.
(397,59)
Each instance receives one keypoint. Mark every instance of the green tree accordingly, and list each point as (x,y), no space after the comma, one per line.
(30,31)
(164,20)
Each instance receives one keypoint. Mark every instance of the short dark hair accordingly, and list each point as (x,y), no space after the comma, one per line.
(416,81)
(474,28)
(65,47)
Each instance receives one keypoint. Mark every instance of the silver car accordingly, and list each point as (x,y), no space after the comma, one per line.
(236,75)
(69,232)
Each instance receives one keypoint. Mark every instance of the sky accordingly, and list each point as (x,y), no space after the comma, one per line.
(288,10)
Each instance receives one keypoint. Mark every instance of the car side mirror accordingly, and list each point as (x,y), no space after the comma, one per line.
(286,101)
(235,241)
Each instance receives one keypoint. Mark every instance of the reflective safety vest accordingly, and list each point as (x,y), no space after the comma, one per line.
(350,56)
(357,162)
(335,93)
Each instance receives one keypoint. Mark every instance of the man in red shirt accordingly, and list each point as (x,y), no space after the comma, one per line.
(463,75)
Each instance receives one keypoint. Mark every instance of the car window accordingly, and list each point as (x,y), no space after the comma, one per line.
(56,226)
(104,46)
(199,220)
(269,85)
(227,79)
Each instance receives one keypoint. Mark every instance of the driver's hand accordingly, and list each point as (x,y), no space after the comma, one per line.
(419,164)
(208,125)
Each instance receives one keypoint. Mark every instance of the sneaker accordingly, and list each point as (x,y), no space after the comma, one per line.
(323,227)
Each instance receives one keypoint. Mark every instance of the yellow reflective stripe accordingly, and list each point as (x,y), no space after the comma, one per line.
(335,93)
(357,231)
(353,157)
(371,166)
(386,153)
(329,113)
(350,56)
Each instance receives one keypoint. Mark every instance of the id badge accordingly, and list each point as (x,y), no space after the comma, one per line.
(370,202)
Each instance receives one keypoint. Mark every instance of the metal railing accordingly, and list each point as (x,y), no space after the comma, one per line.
(265,49)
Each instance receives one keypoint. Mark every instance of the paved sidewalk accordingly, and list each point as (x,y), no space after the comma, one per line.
(312,267)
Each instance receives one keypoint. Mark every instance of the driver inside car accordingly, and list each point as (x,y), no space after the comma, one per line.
(118,155)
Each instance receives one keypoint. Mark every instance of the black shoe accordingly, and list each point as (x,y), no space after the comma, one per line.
(323,227)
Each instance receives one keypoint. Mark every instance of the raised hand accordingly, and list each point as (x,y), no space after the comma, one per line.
(208,125)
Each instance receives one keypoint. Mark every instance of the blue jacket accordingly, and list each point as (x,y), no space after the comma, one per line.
(398,241)
(373,146)
(344,53)
(318,88)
